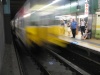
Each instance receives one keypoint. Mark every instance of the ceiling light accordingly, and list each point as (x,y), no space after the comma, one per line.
(27,15)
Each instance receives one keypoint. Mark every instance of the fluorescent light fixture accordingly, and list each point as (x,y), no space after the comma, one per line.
(54,2)
(64,17)
(27,15)
(82,16)
(36,7)
(49,4)
(44,13)
(86,0)
(68,5)
(74,4)
(63,7)
(1,0)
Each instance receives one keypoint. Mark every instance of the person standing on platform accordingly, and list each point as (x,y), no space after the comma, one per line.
(62,23)
(68,29)
(82,26)
(73,28)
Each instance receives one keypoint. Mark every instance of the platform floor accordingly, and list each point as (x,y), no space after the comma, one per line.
(97,41)
(94,46)
(10,64)
(78,37)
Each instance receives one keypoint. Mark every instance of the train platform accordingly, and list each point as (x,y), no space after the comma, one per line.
(78,37)
(10,63)
(92,44)
(95,41)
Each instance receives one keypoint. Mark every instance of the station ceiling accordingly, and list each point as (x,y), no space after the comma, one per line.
(15,5)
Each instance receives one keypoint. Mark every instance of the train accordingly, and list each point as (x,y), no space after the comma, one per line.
(43,21)
(38,22)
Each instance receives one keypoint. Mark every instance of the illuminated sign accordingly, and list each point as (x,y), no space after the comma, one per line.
(86,8)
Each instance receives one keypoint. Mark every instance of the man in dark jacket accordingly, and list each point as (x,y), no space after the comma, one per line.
(73,27)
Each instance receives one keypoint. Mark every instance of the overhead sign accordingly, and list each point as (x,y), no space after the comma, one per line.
(86,10)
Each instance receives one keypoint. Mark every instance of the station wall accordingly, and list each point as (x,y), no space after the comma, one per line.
(2,39)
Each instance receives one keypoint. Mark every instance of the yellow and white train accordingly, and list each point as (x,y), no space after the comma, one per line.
(39,21)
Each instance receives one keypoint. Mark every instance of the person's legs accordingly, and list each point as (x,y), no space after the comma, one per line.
(74,33)
(82,30)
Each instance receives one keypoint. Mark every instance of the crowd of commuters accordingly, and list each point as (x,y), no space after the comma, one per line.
(73,27)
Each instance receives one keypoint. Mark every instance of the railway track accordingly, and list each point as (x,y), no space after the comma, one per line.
(85,60)
(75,68)
(52,65)
(45,62)
(28,65)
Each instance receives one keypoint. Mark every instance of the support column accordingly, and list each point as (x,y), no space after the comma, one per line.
(8,38)
(2,40)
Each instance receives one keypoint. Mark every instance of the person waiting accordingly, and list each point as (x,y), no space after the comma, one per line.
(68,29)
(73,28)
(82,26)
(86,35)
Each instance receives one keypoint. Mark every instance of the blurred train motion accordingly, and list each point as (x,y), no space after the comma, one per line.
(38,22)
(43,21)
